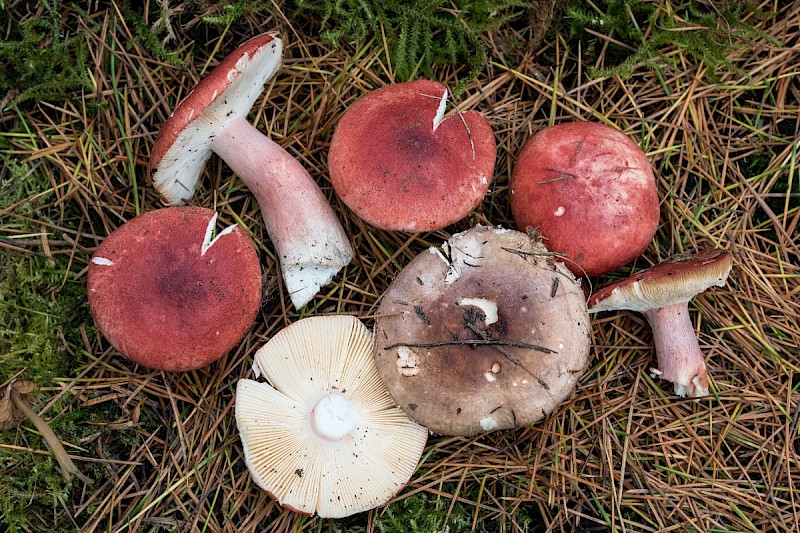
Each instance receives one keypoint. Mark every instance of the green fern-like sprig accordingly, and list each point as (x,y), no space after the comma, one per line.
(37,61)
(650,32)
(420,33)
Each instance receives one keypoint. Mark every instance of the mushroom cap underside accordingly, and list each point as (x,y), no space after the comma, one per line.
(324,436)
(229,91)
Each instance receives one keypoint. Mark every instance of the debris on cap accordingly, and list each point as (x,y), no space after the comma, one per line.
(486,333)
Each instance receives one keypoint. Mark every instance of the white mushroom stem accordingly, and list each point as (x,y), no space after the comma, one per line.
(677,350)
(310,242)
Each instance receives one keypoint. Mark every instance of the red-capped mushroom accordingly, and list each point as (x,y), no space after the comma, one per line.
(662,293)
(590,192)
(311,244)
(168,296)
(400,165)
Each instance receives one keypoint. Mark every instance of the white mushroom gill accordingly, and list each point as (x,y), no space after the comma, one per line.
(324,436)
(437,120)
(177,175)
(208,241)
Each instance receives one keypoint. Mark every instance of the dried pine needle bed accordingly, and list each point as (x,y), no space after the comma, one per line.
(623,454)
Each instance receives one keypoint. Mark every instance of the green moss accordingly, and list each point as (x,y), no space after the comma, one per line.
(420,33)
(42,307)
(155,37)
(39,59)
(643,31)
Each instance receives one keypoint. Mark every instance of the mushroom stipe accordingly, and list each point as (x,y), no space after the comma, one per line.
(662,293)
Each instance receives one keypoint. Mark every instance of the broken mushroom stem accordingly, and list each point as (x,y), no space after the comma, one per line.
(56,448)
(678,353)
(311,244)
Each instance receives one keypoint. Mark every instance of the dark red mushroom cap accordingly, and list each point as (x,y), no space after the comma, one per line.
(398,166)
(169,297)
(229,91)
(679,279)
(591,193)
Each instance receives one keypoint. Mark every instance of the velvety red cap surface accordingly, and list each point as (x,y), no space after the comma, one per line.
(590,191)
(393,170)
(165,304)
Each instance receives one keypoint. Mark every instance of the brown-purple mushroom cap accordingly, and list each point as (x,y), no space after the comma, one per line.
(662,294)
(487,333)
(168,296)
(400,165)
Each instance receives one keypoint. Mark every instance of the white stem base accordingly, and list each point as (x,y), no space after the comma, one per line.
(677,350)
(311,244)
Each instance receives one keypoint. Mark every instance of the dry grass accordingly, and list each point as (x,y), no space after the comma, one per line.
(622,455)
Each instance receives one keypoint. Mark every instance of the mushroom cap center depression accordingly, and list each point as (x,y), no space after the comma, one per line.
(333,417)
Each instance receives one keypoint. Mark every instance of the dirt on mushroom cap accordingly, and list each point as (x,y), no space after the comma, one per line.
(456,372)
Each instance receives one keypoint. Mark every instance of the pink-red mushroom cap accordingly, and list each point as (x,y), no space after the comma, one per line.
(170,297)
(399,164)
(662,294)
(309,241)
(590,192)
